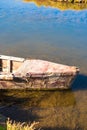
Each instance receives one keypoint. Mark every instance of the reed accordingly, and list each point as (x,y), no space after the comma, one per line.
(20,126)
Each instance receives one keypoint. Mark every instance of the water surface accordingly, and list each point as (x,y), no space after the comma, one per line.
(43,32)
(55,110)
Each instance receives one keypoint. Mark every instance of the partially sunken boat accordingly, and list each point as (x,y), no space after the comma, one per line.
(18,72)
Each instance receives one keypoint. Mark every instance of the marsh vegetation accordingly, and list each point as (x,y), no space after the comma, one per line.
(61,4)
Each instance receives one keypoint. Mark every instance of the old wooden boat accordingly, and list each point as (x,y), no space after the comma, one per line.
(18,72)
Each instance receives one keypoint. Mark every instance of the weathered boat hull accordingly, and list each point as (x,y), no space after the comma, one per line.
(35,74)
(53,82)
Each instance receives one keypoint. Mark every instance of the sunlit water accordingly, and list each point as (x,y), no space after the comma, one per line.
(51,34)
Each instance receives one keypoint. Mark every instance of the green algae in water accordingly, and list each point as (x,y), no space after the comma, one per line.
(2,128)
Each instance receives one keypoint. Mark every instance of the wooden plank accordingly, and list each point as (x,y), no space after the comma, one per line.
(4,57)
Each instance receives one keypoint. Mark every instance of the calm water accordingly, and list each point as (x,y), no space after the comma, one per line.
(27,30)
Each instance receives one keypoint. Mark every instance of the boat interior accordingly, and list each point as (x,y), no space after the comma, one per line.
(9,64)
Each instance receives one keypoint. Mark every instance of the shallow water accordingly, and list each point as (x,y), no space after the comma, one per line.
(66,110)
(27,30)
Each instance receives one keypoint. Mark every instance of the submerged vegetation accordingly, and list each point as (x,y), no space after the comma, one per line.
(61,4)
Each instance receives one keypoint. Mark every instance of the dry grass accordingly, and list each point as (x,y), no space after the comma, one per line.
(75,5)
(20,126)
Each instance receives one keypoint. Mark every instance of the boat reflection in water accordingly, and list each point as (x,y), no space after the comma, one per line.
(51,108)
